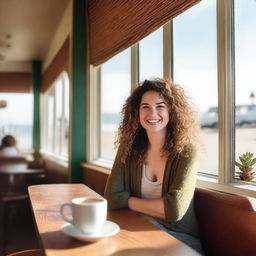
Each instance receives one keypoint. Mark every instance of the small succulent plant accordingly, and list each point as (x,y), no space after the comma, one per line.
(246,166)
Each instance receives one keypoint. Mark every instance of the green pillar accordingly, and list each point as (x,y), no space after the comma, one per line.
(78,109)
(36,83)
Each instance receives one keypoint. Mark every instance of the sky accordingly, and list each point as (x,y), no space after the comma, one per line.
(19,109)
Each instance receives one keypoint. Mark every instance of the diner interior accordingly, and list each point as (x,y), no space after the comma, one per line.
(66,68)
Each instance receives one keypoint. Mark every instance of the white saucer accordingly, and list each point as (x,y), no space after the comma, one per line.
(109,229)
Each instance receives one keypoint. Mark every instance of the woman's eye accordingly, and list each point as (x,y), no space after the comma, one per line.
(144,107)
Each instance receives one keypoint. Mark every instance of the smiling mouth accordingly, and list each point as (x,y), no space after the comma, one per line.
(153,121)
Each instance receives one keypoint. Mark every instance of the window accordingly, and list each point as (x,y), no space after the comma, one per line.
(209,50)
(111,87)
(12,119)
(195,68)
(245,78)
(115,88)
(55,112)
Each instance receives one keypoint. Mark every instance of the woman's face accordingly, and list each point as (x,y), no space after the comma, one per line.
(154,112)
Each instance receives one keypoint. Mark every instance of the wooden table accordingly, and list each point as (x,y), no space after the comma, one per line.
(12,181)
(137,235)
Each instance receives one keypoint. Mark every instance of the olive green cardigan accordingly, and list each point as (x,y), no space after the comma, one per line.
(177,190)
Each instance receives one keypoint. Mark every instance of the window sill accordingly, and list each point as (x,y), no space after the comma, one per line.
(95,167)
(63,161)
(234,187)
(107,164)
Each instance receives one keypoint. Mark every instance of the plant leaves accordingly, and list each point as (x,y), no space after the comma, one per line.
(253,161)
(238,165)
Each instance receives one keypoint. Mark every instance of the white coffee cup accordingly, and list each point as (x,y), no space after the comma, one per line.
(89,214)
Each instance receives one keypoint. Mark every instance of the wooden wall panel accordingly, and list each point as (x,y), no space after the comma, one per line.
(15,82)
(95,177)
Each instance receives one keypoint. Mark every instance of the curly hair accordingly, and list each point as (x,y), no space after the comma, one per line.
(182,129)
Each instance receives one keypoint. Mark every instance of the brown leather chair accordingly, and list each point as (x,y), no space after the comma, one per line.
(31,252)
(227,223)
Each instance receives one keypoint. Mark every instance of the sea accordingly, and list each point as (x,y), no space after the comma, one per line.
(110,121)
(24,133)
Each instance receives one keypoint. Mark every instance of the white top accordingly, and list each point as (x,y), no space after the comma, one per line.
(150,189)
(9,151)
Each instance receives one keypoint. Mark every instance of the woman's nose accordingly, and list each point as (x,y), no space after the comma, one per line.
(152,111)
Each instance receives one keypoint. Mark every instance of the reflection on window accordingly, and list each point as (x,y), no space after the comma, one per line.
(195,69)
(151,56)
(115,88)
(245,89)
(12,121)
(56,118)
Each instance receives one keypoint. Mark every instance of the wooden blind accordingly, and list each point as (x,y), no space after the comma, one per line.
(15,82)
(115,25)
(59,64)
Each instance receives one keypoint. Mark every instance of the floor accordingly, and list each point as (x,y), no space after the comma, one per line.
(21,231)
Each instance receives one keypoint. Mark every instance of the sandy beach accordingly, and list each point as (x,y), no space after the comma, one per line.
(245,141)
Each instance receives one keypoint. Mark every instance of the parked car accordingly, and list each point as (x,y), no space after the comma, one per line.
(245,114)
(210,118)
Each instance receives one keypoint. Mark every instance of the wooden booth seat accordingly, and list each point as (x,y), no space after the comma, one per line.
(227,223)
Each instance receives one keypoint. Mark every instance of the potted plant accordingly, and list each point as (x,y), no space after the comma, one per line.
(38,161)
(246,166)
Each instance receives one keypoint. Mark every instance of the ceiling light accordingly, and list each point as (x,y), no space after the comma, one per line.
(5,45)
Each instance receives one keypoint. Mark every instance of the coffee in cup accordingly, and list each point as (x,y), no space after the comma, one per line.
(89,214)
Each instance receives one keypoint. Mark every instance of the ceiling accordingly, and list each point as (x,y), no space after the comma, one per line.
(28,27)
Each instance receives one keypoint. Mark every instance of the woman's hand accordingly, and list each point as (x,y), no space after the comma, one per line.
(151,207)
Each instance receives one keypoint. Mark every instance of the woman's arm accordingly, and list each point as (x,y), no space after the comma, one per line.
(115,191)
(151,207)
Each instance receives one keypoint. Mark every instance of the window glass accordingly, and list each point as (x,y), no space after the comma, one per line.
(195,69)
(50,122)
(12,121)
(151,56)
(115,88)
(56,115)
(245,78)
(66,116)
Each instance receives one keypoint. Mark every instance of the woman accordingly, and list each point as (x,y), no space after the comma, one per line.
(8,146)
(155,169)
